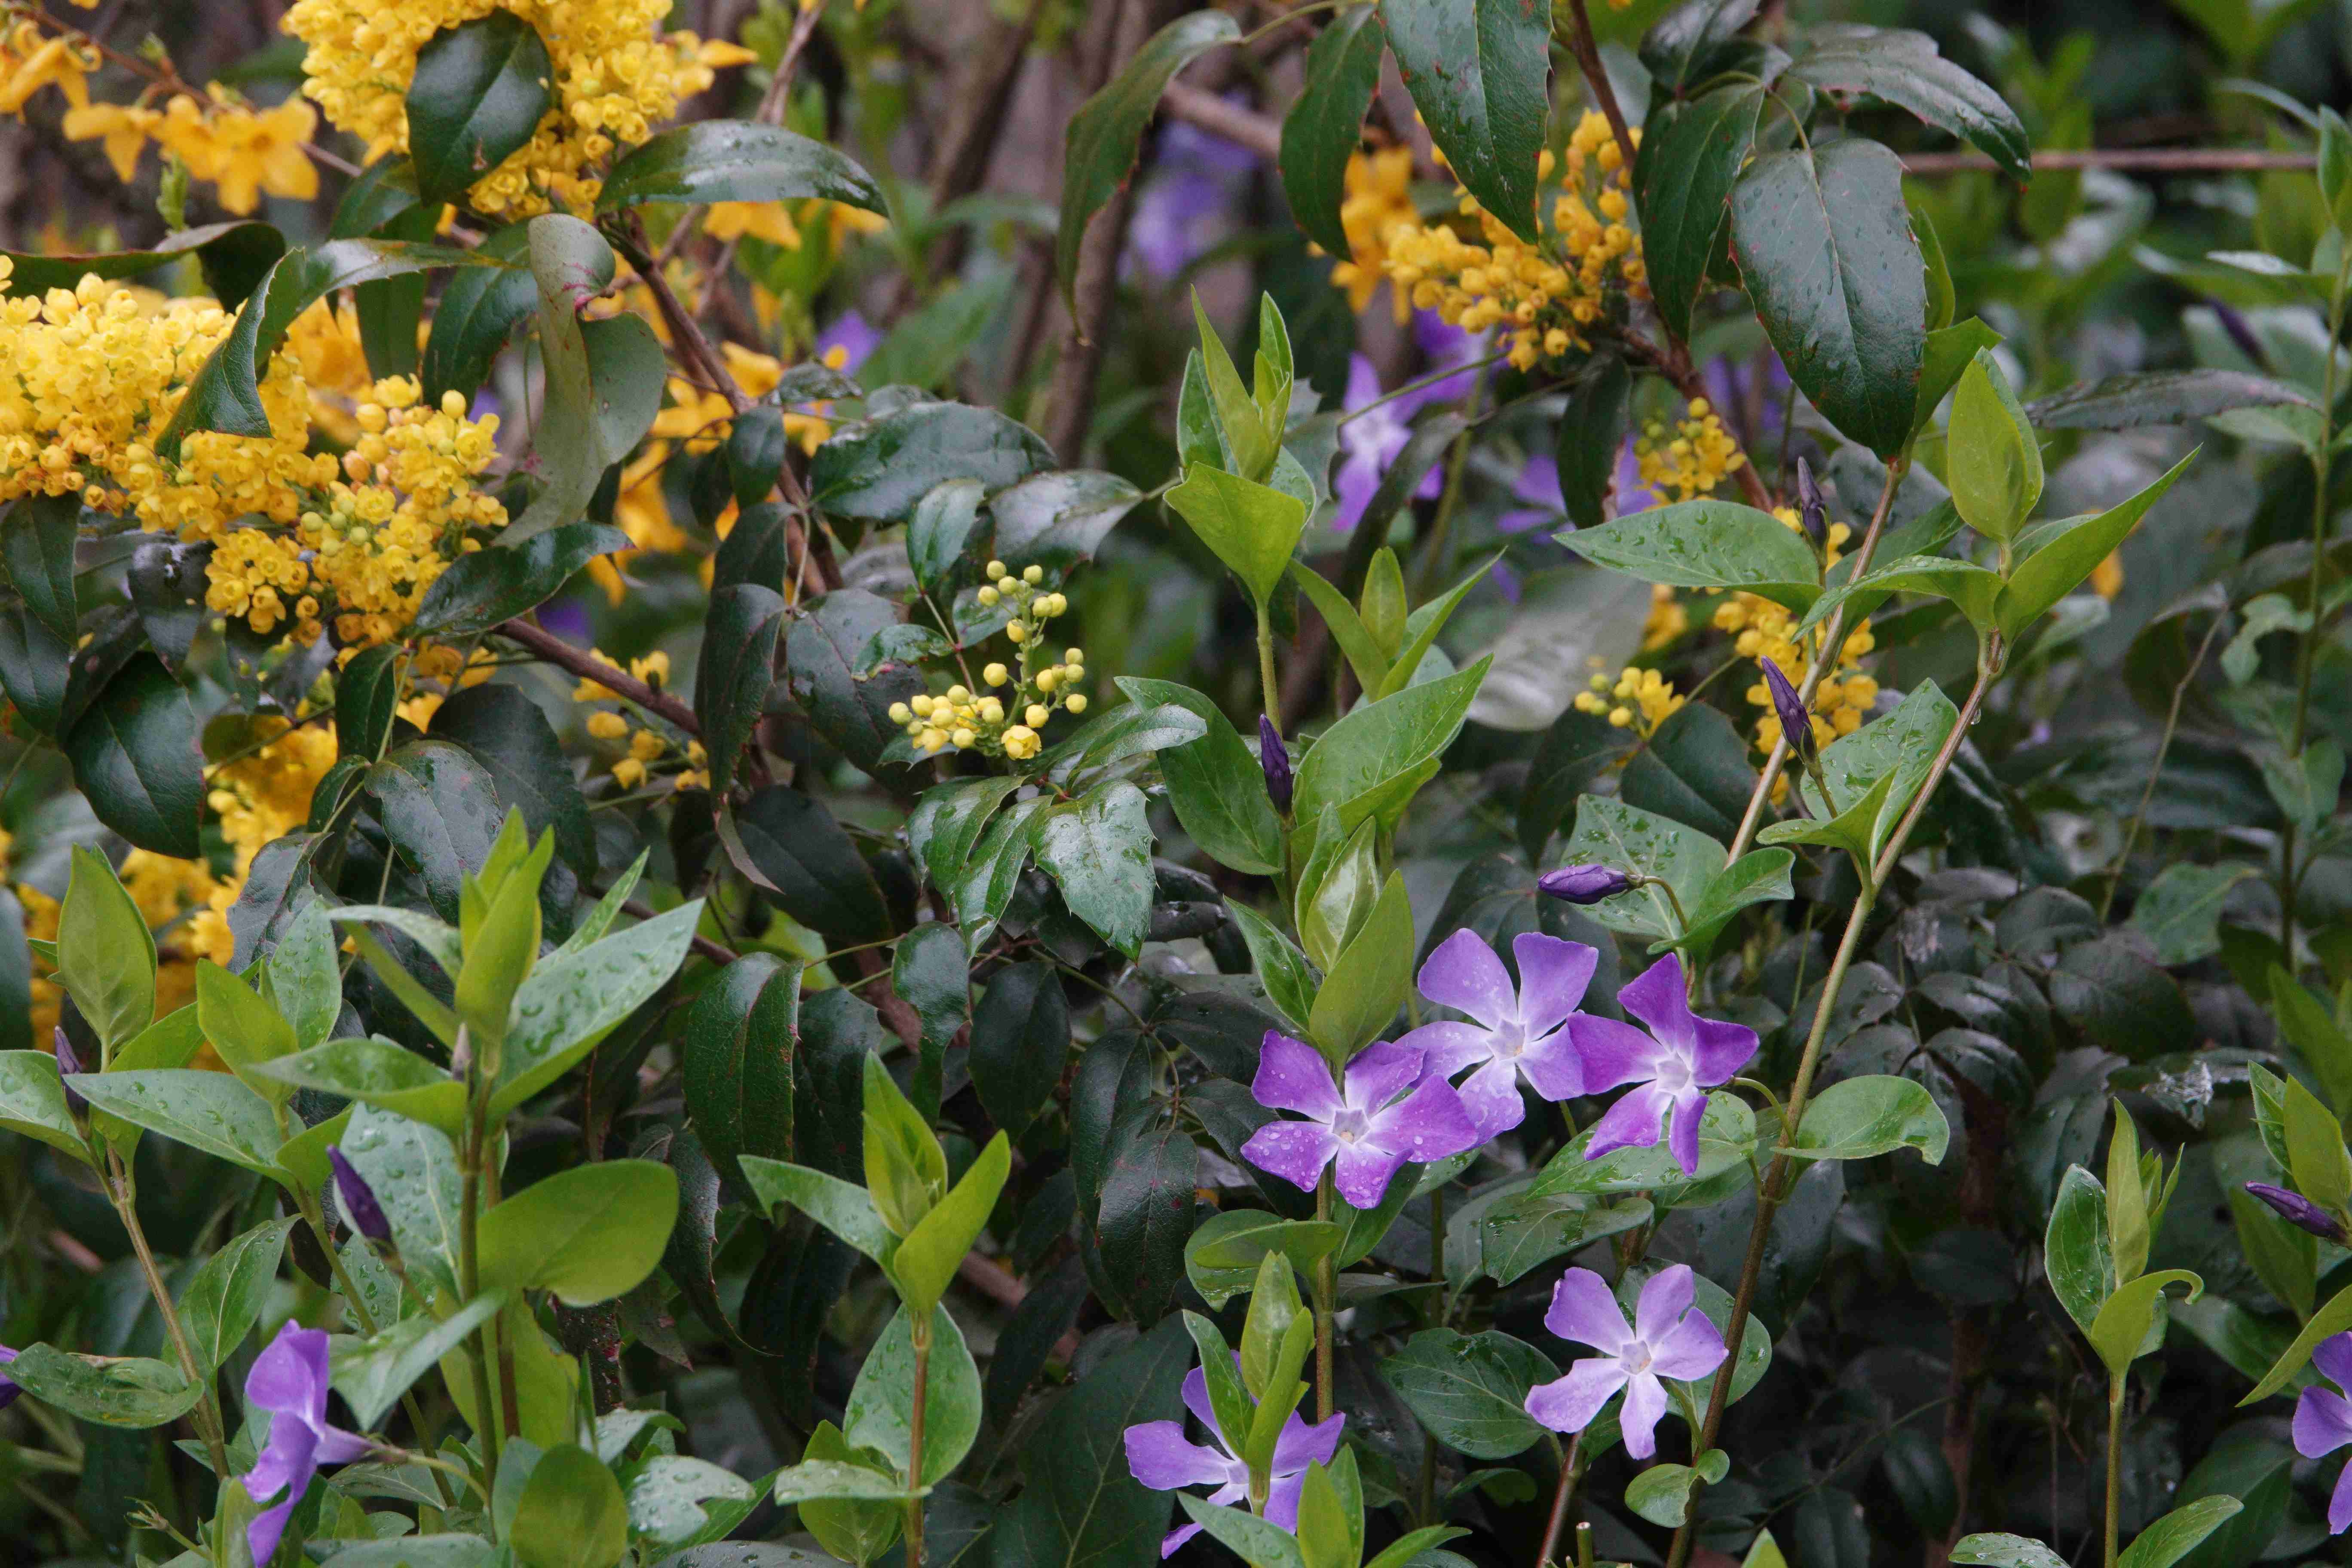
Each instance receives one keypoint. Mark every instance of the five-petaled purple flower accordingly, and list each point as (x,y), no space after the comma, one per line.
(1389,1111)
(290,1381)
(1159,1456)
(1675,1063)
(1516,1033)
(2323,1421)
(1669,1338)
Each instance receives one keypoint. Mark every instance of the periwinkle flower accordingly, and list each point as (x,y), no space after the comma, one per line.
(360,1206)
(1516,1033)
(2323,1421)
(1672,1066)
(1386,1110)
(9,1387)
(1274,759)
(1669,1337)
(290,1381)
(852,335)
(1159,1456)
(1537,490)
(2298,1211)
(1587,884)
(1788,706)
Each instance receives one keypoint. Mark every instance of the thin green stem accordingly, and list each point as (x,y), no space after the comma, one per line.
(1269,683)
(1431,570)
(1432,379)
(207,1414)
(469,1269)
(2116,1386)
(1326,1288)
(919,1334)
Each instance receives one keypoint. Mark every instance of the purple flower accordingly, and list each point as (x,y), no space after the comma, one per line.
(2323,1421)
(2298,1210)
(1668,1338)
(1371,440)
(1389,1113)
(1187,206)
(853,334)
(1788,706)
(1675,1065)
(359,1207)
(289,1380)
(1583,884)
(1625,484)
(1538,485)
(9,1387)
(1523,1033)
(1159,1456)
(1274,758)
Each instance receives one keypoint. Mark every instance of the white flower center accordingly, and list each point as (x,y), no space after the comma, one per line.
(1350,1125)
(1636,1360)
(1674,1074)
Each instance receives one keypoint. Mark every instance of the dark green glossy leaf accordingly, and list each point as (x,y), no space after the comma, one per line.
(135,757)
(740,1040)
(1020,1043)
(737,160)
(1471,1391)
(1903,67)
(1683,177)
(36,545)
(738,666)
(1479,71)
(810,866)
(508,734)
(1326,123)
(478,95)
(486,586)
(1098,849)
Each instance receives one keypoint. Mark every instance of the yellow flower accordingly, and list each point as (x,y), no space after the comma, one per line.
(628,772)
(57,60)
(768,221)
(256,153)
(122,129)
(1692,459)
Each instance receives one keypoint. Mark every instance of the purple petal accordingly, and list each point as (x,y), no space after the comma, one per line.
(1359,478)
(2322,1422)
(1295,1151)
(1196,1400)
(1658,997)
(1293,1076)
(1666,1297)
(1362,1173)
(1554,1065)
(1428,1124)
(337,1446)
(1491,1096)
(1723,1049)
(1281,1495)
(1176,1538)
(1691,1350)
(2339,1503)
(1553,976)
(1464,974)
(1637,1418)
(1569,1404)
(1631,1123)
(290,1374)
(1448,1046)
(1613,1053)
(853,334)
(287,1461)
(1582,1309)
(1363,380)
(1682,1136)
(2333,1357)
(261,1535)
(1538,483)
(1303,1442)
(1160,1458)
(1379,1072)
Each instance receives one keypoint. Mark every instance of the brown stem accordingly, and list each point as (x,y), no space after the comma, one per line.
(1596,77)
(588,667)
(902,1018)
(1560,1499)
(1261,134)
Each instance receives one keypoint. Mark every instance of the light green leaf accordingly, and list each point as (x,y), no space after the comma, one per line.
(588,1233)
(1706,544)
(1252,528)
(2059,566)
(1862,1117)
(877,1415)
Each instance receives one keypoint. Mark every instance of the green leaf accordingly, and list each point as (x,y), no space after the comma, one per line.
(1098,849)
(1222,1258)
(1695,768)
(1992,1550)
(440,810)
(2077,1254)
(508,734)
(246,1030)
(1691,154)
(2059,566)
(413,1169)
(1706,544)
(877,1415)
(1020,1043)
(1479,72)
(930,1254)
(1903,67)
(478,95)
(1592,428)
(135,756)
(1862,1117)
(1825,245)
(736,161)
(846,703)
(572,999)
(33,1102)
(1371,763)
(207,1110)
(1290,981)
(1760,876)
(37,549)
(2141,398)
(374,1072)
(842,1207)
(1662,1493)
(105,954)
(224,1301)
(1365,655)
(1873,775)
(737,1061)
(1059,518)
(1252,528)
(234,255)
(487,587)
(571,1515)
(2178,1533)
(1147,1211)
(130,1392)
(479,310)
(1991,461)
(1471,1391)
(937,532)
(1367,982)
(1100,144)
(735,670)
(1257,1541)
(1214,782)
(588,1233)
(373,1371)
(883,467)
(1950,351)
(832,1479)
(1726,1140)
(2180,913)
(1326,123)
(1611,833)
(2316,1157)
(1424,624)
(2122,1327)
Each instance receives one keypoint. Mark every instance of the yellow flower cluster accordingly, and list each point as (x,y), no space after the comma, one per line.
(242,151)
(644,746)
(1543,296)
(1667,619)
(616,77)
(1636,700)
(1763,629)
(1377,204)
(1692,459)
(30,61)
(1007,724)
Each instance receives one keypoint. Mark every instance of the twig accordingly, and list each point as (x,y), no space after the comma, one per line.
(1261,134)
(770,112)
(2145,160)
(2156,769)
(588,667)
(702,944)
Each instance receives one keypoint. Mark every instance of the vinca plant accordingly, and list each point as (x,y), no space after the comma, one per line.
(1365,783)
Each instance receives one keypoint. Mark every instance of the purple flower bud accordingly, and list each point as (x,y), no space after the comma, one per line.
(2298,1211)
(1275,758)
(9,1387)
(1790,708)
(2240,334)
(68,1064)
(1812,511)
(360,1206)
(1583,884)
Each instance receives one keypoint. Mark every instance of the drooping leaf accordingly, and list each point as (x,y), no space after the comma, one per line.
(1479,71)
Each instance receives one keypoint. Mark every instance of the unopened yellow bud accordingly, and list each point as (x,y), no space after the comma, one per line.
(900,713)
(989,597)
(924,704)
(996,675)
(995,570)
(607,726)
(1073,656)
(1033,575)
(963,737)
(1075,702)
(958,694)
(1037,715)
(1048,678)
(1018,631)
